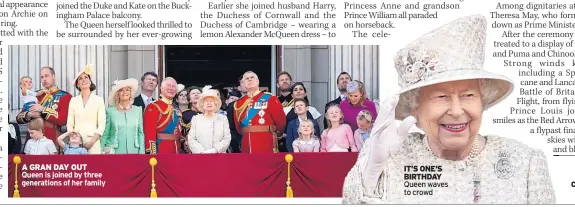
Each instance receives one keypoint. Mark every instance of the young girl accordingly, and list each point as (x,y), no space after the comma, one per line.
(365,123)
(74,145)
(307,141)
(338,137)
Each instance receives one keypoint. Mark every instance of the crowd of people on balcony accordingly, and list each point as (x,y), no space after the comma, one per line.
(188,120)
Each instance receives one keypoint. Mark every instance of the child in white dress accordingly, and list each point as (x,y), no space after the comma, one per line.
(307,141)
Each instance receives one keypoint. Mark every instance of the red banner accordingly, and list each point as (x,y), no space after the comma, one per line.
(202,175)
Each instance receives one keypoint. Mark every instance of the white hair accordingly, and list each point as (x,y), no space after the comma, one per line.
(487,88)
(168,79)
(248,72)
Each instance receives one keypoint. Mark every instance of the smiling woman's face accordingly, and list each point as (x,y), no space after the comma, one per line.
(450,113)
(299,92)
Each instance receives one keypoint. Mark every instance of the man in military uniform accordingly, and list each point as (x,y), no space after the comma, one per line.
(52,107)
(162,131)
(284,84)
(259,117)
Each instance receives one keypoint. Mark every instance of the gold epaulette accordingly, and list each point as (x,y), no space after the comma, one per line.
(183,123)
(290,103)
(240,110)
(164,112)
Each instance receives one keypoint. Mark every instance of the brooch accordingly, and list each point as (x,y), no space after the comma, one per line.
(504,168)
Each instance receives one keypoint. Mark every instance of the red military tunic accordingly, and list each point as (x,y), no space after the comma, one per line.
(55,113)
(256,117)
(162,127)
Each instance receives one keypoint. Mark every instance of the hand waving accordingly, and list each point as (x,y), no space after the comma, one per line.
(385,138)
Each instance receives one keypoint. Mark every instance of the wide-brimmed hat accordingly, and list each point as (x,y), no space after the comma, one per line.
(88,70)
(207,91)
(452,52)
(119,84)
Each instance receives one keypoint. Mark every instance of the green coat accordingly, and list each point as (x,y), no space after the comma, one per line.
(124,131)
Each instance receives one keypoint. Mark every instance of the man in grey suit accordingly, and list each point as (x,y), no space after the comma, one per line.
(149,84)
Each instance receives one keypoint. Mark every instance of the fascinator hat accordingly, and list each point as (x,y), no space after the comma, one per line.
(180,88)
(118,85)
(88,70)
(365,114)
(352,87)
(452,52)
(208,92)
(292,88)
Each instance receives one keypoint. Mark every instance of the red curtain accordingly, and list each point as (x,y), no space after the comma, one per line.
(320,175)
(125,176)
(209,175)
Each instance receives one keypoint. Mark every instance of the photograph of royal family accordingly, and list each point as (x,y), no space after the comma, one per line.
(189,119)
(444,92)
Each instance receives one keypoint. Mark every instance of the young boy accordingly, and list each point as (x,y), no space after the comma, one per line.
(74,145)
(27,95)
(300,108)
(38,143)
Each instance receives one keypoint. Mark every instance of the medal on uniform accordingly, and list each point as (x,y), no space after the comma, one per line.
(261,114)
(265,105)
(55,106)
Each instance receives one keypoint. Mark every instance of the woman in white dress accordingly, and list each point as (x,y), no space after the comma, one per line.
(445,91)
(87,112)
(209,131)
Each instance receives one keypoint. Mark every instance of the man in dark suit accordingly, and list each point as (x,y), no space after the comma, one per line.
(149,84)
(14,139)
(342,79)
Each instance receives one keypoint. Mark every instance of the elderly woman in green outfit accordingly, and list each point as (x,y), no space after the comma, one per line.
(124,133)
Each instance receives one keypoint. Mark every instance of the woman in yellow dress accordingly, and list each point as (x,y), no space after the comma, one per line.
(87,112)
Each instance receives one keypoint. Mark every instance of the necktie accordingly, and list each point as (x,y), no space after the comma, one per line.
(148,101)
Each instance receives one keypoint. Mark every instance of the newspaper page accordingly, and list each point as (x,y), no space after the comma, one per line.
(287,102)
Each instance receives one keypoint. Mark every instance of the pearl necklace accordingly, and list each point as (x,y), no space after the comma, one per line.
(124,108)
(476,173)
(474,148)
